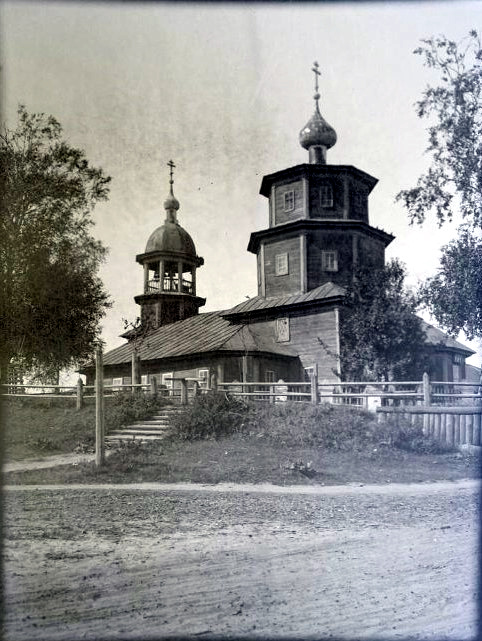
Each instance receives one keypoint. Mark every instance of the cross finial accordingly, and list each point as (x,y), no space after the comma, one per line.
(317,72)
(171,166)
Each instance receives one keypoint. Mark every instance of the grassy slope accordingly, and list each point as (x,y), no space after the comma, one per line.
(271,445)
(40,426)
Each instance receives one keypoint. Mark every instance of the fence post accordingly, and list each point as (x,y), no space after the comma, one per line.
(183,391)
(197,389)
(136,369)
(153,387)
(426,390)
(214,381)
(314,388)
(80,394)
(99,409)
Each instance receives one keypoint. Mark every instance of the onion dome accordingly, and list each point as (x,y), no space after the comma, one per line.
(317,135)
(317,132)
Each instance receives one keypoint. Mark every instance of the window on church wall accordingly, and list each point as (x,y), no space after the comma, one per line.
(458,368)
(269,376)
(326,196)
(282,330)
(203,377)
(116,382)
(329,261)
(289,200)
(281,265)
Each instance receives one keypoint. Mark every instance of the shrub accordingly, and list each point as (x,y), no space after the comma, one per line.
(211,415)
(411,438)
(327,426)
(125,408)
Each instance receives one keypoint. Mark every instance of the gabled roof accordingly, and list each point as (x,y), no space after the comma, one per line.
(436,337)
(208,332)
(325,293)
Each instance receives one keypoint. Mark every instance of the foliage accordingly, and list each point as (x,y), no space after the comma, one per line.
(211,415)
(51,299)
(125,408)
(454,294)
(40,424)
(380,335)
(454,177)
(453,181)
(325,426)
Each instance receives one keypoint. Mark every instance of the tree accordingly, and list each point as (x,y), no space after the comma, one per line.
(454,178)
(453,182)
(51,299)
(454,294)
(380,335)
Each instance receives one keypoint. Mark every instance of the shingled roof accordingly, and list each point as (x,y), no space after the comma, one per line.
(436,338)
(257,303)
(208,332)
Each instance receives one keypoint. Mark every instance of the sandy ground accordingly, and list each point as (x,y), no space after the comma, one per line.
(153,562)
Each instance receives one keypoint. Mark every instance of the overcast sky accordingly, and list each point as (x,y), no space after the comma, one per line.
(224,90)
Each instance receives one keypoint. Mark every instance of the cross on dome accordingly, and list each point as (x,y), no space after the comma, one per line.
(317,135)
(317,72)
(171,204)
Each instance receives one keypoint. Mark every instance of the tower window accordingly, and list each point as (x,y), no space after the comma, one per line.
(329,261)
(326,196)
(289,200)
(282,330)
(281,264)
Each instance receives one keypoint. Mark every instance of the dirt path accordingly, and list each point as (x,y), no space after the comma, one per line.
(96,563)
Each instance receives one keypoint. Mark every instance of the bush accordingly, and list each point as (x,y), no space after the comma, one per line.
(326,426)
(411,438)
(211,415)
(125,408)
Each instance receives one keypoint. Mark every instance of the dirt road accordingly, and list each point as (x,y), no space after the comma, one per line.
(124,563)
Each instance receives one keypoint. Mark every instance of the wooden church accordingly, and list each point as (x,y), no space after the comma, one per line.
(318,233)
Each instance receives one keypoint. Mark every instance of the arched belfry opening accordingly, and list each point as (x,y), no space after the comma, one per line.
(170,263)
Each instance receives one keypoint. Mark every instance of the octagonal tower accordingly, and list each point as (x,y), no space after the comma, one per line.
(170,262)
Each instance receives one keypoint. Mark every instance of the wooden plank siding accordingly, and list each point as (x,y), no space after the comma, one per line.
(289,283)
(327,240)
(280,215)
(305,329)
(338,209)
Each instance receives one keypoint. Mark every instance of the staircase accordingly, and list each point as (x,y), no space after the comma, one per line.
(153,429)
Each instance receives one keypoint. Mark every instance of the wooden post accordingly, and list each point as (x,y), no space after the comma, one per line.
(214,380)
(153,387)
(469,429)
(183,391)
(197,389)
(477,425)
(314,387)
(450,429)
(426,390)
(80,394)
(99,409)
(135,371)
(245,372)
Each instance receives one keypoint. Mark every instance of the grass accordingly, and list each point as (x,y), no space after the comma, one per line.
(249,459)
(283,444)
(36,427)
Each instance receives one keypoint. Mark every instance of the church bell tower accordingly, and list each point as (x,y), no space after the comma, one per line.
(318,219)
(170,263)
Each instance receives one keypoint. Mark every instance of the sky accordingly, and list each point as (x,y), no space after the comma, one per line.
(223,90)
